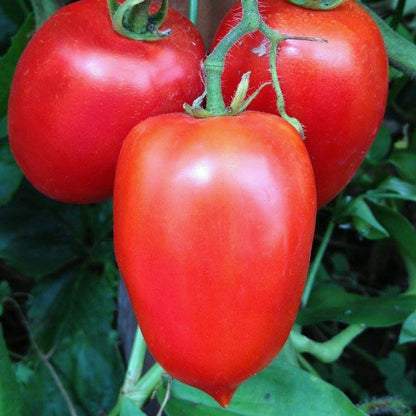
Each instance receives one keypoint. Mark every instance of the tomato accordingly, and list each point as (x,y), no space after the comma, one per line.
(80,87)
(337,90)
(213,226)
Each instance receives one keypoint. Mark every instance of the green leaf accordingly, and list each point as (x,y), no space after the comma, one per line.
(281,389)
(89,370)
(23,373)
(44,9)
(10,174)
(40,393)
(330,302)
(15,11)
(398,227)
(393,187)
(343,378)
(92,371)
(405,163)
(9,60)
(397,383)
(10,400)
(408,332)
(402,53)
(77,300)
(39,236)
(364,221)
(381,146)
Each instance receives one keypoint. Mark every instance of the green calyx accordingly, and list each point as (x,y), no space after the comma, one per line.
(214,64)
(133,20)
(317,4)
(238,104)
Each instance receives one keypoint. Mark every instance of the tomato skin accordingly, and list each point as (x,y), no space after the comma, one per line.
(337,90)
(213,226)
(80,87)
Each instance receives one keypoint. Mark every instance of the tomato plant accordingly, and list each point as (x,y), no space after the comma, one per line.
(213,225)
(337,89)
(66,324)
(80,87)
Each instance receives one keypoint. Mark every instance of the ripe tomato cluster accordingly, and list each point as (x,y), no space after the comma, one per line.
(213,218)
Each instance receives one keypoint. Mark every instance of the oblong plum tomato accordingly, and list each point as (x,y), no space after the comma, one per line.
(337,89)
(213,226)
(80,87)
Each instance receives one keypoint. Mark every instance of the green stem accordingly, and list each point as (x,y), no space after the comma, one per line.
(132,19)
(402,53)
(280,99)
(134,388)
(43,10)
(313,270)
(193,11)
(389,405)
(146,385)
(214,64)
(166,398)
(117,408)
(250,22)
(46,362)
(328,351)
(359,351)
(317,4)
(135,365)
(306,365)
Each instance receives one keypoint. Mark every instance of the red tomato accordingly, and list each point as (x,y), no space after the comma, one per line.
(80,87)
(337,90)
(213,226)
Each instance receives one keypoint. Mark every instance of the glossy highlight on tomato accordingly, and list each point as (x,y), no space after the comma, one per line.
(337,89)
(213,226)
(80,87)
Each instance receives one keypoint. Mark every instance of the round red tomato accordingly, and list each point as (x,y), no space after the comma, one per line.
(337,90)
(213,226)
(80,87)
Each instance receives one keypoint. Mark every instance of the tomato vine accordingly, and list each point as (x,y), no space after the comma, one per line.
(193,11)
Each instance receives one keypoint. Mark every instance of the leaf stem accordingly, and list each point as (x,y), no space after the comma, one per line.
(117,408)
(146,385)
(166,398)
(250,22)
(45,360)
(389,405)
(43,10)
(330,350)
(135,365)
(364,354)
(402,53)
(280,99)
(135,388)
(193,11)
(133,20)
(215,62)
(306,365)
(313,270)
